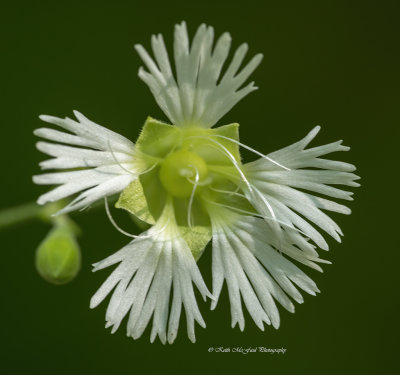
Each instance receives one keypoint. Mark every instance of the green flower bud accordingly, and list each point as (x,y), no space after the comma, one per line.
(58,257)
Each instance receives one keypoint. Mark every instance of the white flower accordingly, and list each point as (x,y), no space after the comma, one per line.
(189,183)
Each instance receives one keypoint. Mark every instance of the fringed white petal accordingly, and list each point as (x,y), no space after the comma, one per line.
(107,159)
(74,157)
(297,156)
(152,268)
(95,136)
(254,271)
(198,95)
(281,200)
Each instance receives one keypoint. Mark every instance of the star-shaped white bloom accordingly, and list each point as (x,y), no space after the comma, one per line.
(189,182)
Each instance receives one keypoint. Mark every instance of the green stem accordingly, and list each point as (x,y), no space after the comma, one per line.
(21,213)
(29,211)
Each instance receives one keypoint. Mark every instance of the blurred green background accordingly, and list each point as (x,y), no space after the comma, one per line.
(326,63)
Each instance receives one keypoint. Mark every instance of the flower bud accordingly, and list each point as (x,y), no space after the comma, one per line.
(58,257)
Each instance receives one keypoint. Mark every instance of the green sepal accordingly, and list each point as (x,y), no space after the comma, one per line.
(197,239)
(204,143)
(157,139)
(132,199)
(144,197)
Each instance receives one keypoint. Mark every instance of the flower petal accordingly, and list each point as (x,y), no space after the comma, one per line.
(277,187)
(296,156)
(149,267)
(254,271)
(199,95)
(104,138)
(108,159)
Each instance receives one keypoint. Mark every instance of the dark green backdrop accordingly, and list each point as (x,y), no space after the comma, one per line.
(329,63)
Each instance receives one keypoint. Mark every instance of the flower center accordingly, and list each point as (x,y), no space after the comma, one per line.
(180,171)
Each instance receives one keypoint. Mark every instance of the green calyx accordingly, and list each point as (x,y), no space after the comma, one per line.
(157,140)
(186,166)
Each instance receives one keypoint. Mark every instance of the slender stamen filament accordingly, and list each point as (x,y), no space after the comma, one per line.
(228,192)
(115,158)
(119,229)
(149,169)
(277,228)
(270,209)
(224,150)
(256,215)
(196,182)
(125,169)
(252,150)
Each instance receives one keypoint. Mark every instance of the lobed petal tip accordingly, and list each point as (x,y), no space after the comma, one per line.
(171,337)
(45,118)
(243,46)
(41,201)
(77,113)
(226,36)
(259,57)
